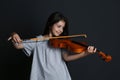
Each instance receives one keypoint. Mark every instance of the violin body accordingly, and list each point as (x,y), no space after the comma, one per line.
(76,47)
(67,44)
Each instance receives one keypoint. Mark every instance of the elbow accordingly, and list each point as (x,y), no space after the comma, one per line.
(67,59)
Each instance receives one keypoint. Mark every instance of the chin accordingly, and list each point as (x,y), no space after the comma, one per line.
(56,35)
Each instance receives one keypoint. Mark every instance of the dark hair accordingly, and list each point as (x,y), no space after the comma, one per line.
(54,18)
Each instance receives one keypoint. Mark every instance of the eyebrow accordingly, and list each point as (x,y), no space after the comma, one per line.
(60,25)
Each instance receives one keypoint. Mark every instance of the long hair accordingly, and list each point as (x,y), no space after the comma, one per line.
(54,18)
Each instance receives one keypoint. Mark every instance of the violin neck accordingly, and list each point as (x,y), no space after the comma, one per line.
(84,45)
(80,43)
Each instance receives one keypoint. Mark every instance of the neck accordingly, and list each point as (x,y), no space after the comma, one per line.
(48,35)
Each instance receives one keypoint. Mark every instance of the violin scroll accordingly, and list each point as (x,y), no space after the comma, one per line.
(106,58)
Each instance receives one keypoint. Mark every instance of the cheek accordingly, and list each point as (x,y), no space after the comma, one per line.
(53,29)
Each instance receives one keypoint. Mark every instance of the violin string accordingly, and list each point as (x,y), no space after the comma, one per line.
(42,39)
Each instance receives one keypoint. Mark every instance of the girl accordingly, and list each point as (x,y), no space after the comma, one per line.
(49,63)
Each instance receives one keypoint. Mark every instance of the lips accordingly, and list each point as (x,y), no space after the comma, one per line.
(58,32)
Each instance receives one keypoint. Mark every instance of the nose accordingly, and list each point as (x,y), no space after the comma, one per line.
(61,30)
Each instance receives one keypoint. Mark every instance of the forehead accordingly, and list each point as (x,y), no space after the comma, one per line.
(61,22)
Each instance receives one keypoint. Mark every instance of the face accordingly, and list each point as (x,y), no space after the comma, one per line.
(57,28)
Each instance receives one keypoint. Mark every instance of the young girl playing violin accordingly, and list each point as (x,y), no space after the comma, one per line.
(49,63)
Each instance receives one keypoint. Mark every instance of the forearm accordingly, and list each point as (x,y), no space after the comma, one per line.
(18,45)
(75,56)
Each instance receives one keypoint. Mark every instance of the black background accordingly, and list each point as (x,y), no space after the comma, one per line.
(99,19)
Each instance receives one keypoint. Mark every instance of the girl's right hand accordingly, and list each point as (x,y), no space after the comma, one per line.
(15,38)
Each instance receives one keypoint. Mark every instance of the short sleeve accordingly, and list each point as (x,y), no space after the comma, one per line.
(29,46)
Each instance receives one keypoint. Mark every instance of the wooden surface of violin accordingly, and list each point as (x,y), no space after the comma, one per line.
(76,47)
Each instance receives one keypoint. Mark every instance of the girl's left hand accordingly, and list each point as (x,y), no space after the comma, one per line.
(91,49)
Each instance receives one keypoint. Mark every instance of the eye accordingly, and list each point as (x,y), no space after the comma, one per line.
(59,26)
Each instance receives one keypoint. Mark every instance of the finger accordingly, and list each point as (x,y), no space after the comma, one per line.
(95,50)
(14,43)
(15,40)
(19,40)
(90,47)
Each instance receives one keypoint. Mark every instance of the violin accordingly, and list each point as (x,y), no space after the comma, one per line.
(76,47)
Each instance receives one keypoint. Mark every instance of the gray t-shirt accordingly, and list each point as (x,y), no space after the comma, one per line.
(47,63)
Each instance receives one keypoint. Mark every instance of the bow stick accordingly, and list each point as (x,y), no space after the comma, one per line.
(47,38)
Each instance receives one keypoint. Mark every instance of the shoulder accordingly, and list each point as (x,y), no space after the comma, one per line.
(39,36)
(40,39)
